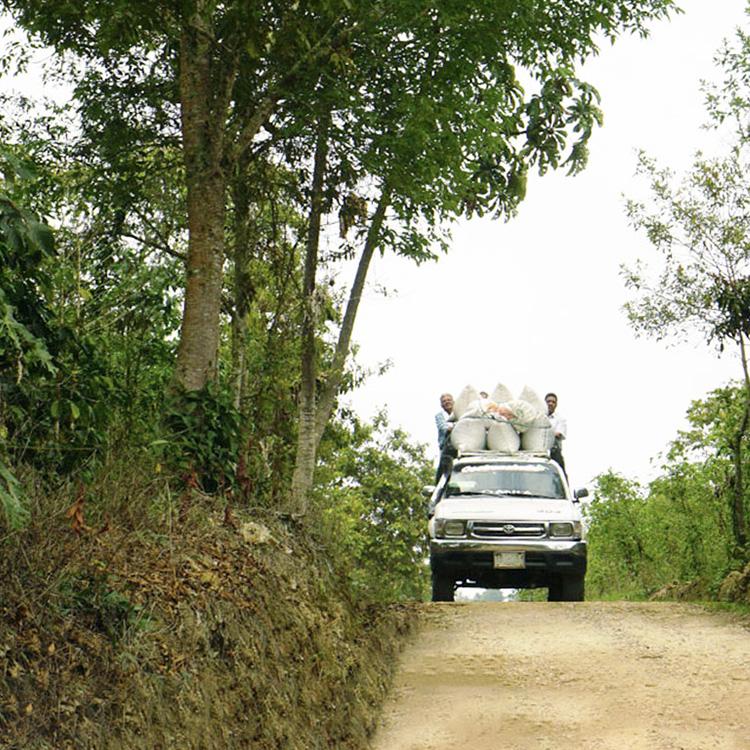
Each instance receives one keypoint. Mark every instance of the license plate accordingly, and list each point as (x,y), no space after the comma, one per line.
(510,559)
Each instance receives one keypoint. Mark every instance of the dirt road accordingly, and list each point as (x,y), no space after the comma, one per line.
(590,676)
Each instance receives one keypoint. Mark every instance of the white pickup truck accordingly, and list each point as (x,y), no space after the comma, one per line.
(506,521)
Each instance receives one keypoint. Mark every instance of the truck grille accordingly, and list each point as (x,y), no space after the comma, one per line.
(490,530)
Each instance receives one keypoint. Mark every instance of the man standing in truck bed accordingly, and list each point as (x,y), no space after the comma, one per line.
(559,430)
(444,427)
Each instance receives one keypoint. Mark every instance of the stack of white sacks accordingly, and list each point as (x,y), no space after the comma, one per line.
(500,422)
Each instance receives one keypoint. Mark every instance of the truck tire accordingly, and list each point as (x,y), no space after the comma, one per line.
(554,591)
(443,588)
(572,588)
(566,589)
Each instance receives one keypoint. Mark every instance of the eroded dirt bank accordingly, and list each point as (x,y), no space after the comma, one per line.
(195,634)
(624,676)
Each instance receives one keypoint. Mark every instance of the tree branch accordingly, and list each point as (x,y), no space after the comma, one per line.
(336,372)
(156,246)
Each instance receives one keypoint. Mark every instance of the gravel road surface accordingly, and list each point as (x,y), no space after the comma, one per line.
(589,675)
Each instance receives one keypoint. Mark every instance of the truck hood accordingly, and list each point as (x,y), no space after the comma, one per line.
(488,508)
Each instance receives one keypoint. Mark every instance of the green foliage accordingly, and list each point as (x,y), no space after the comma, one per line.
(616,547)
(700,226)
(203,437)
(679,528)
(713,423)
(25,244)
(100,310)
(734,310)
(700,229)
(369,490)
(264,345)
(12,504)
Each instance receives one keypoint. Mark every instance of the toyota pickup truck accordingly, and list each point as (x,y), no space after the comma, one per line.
(506,521)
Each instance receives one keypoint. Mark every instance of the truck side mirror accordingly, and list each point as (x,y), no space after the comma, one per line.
(427,490)
(578,494)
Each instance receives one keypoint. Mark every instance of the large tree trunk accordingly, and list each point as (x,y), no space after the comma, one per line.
(304,465)
(203,126)
(242,282)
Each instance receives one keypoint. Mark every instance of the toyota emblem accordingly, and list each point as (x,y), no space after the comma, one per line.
(509,528)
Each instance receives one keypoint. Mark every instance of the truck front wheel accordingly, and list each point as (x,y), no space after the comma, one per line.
(443,588)
(566,589)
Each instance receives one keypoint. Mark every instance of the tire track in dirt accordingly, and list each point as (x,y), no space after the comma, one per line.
(589,675)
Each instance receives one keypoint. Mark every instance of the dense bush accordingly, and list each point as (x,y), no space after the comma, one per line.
(369,492)
(678,529)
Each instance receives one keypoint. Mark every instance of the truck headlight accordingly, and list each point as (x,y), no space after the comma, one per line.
(450,527)
(566,529)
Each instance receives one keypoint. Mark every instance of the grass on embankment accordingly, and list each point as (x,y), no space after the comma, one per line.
(162,624)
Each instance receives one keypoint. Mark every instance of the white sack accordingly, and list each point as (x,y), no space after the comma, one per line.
(469,435)
(467,396)
(502,437)
(542,420)
(537,439)
(501,394)
(525,414)
(475,409)
(532,397)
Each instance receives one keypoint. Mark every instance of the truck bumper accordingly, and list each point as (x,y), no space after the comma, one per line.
(471,562)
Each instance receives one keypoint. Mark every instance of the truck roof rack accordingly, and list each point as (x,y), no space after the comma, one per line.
(486,453)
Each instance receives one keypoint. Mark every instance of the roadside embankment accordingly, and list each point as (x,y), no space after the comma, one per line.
(206,631)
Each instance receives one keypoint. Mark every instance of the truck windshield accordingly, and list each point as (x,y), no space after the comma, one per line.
(532,480)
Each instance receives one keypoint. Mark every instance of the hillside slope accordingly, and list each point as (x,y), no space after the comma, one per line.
(200,632)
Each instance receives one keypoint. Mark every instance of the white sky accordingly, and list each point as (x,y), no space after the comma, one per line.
(538,300)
